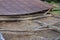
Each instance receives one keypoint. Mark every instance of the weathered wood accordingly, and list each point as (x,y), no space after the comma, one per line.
(27,18)
(37,35)
(56,26)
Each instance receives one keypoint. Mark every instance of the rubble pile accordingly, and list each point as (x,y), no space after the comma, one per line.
(28,20)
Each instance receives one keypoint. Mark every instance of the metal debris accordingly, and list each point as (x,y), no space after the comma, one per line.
(1,37)
(18,7)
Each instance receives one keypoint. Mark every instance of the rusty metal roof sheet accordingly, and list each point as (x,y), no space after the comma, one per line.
(17,7)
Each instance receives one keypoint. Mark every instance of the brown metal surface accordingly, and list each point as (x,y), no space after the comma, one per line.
(17,7)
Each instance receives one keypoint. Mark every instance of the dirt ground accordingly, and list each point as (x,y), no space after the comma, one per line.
(25,26)
(49,34)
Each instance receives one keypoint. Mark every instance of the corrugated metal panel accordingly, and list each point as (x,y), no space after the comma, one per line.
(17,7)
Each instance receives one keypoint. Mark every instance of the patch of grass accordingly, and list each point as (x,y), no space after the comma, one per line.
(56,10)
